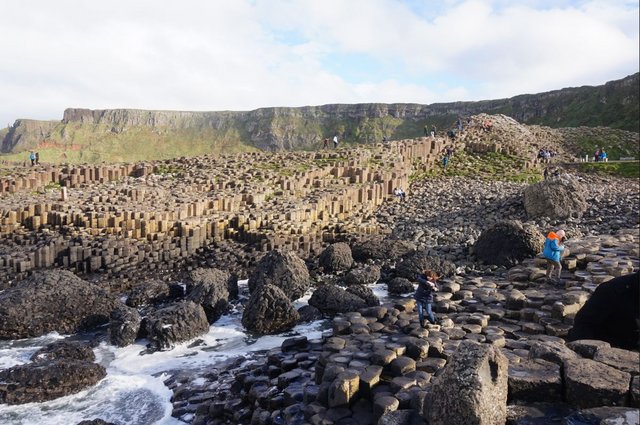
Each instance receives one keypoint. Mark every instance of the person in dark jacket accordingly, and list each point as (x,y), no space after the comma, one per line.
(424,295)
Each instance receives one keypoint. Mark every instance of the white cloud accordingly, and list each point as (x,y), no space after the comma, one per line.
(244,54)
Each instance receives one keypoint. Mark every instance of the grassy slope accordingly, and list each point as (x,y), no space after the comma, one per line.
(630,169)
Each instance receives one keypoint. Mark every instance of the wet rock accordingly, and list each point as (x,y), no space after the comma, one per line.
(556,198)
(211,292)
(400,285)
(605,416)
(507,243)
(472,387)
(72,350)
(401,417)
(212,277)
(591,384)
(415,263)
(365,293)
(363,275)
(538,413)
(48,380)
(331,300)
(174,324)
(283,269)
(95,422)
(611,313)
(336,258)
(150,292)
(269,311)
(124,326)
(309,313)
(56,300)
(378,248)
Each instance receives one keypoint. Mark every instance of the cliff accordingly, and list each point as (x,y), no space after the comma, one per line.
(86,135)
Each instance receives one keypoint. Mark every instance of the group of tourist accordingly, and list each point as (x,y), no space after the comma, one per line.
(325,142)
(399,193)
(34,157)
(546,154)
(600,155)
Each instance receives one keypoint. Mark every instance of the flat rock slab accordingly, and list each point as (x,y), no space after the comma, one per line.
(625,360)
(592,384)
(535,381)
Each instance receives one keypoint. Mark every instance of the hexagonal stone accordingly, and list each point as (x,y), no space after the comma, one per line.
(591,384)
(383,357)
(587,347)
(625,360)
(343,389)
(551,351)
(402,365)
(535,380)
(385,404)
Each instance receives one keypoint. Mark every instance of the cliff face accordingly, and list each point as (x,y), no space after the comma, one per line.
(177,133)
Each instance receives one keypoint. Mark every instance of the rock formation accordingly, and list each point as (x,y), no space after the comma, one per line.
(508,242)
(269,310)
(557,197)
(283,269)
(174,324)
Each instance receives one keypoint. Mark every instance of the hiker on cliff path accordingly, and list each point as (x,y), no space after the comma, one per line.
(445,162)
(426,131)
(335,142)
(37,158)
(553,249)
(325,143)
(433,131)
(32,157)
(424,295)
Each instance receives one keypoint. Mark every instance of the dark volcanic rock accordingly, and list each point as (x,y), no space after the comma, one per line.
(472,388)
(283,269)
(149,292)
(381,249)
(72,350)
(309,313)
(211,292)
(53,300)
(591,384)
(95,422)
(611,313)
(43,381)
(508,242)
(400,285)
(556,198)
(363,275)
(269,311)
(336,258)
(176,323)
(535,380)
(124,326)
(415,263)
(331,300)
(213,277)
(365,293)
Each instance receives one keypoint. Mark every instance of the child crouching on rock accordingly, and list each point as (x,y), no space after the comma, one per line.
(424,295)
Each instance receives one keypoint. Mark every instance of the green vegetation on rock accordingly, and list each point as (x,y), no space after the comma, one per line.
(629,169)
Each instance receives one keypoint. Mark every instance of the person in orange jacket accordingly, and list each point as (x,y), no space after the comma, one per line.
(553,249)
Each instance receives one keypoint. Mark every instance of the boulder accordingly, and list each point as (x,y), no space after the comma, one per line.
(71,350)
(611,313)
(363,275)
(556,198)
(283,269)
(211,277)
(366,293)
(213,296)
(400,285)
(377,248)
(331,300)
(309,313)
(150,292)
(591,384)
(415,263)
(269,311)
(56,300)
(124,326)
(535,381)
(95,422)
(472,388)
(175,323)
(508,242)
(336,258)
(48,380)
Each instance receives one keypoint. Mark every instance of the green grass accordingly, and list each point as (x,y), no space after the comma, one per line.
(630,169)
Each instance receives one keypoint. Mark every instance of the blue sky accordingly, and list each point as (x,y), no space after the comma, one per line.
(246,54)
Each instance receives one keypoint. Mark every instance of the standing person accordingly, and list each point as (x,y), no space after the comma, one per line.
(37,158)
(335,141)
(445,162)
(32,157)
(433,131)
(596,155)
(546,173)
(426,131)
(552,252)
(325,143)
(424,295)
(460,125)
(603,155)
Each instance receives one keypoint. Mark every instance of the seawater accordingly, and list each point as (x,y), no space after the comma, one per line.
(133,391)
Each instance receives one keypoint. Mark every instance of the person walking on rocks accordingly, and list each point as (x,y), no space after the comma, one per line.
(37,158)
(424,295)
(552,252)
(335,141)
(325,143)
(32,157)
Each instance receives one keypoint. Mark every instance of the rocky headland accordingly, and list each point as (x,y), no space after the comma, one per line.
(155,250)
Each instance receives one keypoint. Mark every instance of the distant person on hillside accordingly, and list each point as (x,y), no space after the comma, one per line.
(546,173)
(384,139)
(451,134)
(424,295)
(603,155)
(459,125)
(32,157)
(325,143)
(445,162)
(596,155)
(399,193)
(426,131)
(449,151)
(433,131)
(37,158)
(552,252)
(335,141)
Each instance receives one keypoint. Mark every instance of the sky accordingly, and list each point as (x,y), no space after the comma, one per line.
(212,55)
